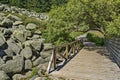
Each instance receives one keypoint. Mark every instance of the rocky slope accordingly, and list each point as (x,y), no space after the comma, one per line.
(21,46)
(21,11)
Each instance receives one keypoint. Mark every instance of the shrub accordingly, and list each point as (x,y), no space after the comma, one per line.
(95,38)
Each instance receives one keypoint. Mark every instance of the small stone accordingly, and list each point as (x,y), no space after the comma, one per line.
(13,18)
(27,43)
(37,44)
(38,61)
(34,77)
(38,32)
(16,23)
(28,33)
(35,37)
(33,58)
(45,54)
(3,76)
(12,49)
(26,52)
(19,35)
(19,77)
(28,74)
(31,26)
(28,64)
(38,78)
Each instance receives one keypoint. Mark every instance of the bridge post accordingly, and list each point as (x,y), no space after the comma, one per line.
(73,48)
(66,51)
(50,63)
(54,57)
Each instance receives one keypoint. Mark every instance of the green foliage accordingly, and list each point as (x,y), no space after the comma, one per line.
(95,38)
(27,19)
(34,72)
(75,34)
(113,28)
(37,5)
(83,15)
(69,16)
(4,1)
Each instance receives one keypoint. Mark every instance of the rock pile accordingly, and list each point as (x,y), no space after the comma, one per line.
(29,13)
(21,47)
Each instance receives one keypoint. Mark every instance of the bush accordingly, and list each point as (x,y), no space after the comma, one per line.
(95,38)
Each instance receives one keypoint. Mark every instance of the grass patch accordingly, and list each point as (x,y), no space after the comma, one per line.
(75,34)
(27,19)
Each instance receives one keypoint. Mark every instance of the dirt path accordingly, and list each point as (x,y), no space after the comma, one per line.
(90,64)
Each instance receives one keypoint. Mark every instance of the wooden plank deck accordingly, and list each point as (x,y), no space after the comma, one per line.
(90,64)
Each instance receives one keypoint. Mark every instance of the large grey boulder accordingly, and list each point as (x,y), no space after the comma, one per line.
(12,49)
(36,36)
(27,43)
(28,64)
(19,35)
(13,66)
(37,44)
(38,61)
(3,76)
(16,23)
(7,23)
(18,77)
(31,26)
(38,32)
(13,18)
(38,78)
(45,54)
(26,52)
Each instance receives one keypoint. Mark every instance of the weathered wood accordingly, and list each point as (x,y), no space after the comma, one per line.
(55,50)
(70,50)
(54,58)
(73,48)
(62,56)
(50,63)
(66,51)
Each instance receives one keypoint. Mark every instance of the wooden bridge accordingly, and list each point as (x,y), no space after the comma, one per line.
(75,62)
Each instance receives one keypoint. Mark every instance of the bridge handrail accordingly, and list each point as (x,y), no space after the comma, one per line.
(61,45)
(70,50)
(113,46)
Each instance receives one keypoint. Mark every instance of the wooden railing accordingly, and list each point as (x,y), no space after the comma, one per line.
(113,46)
(61,54)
